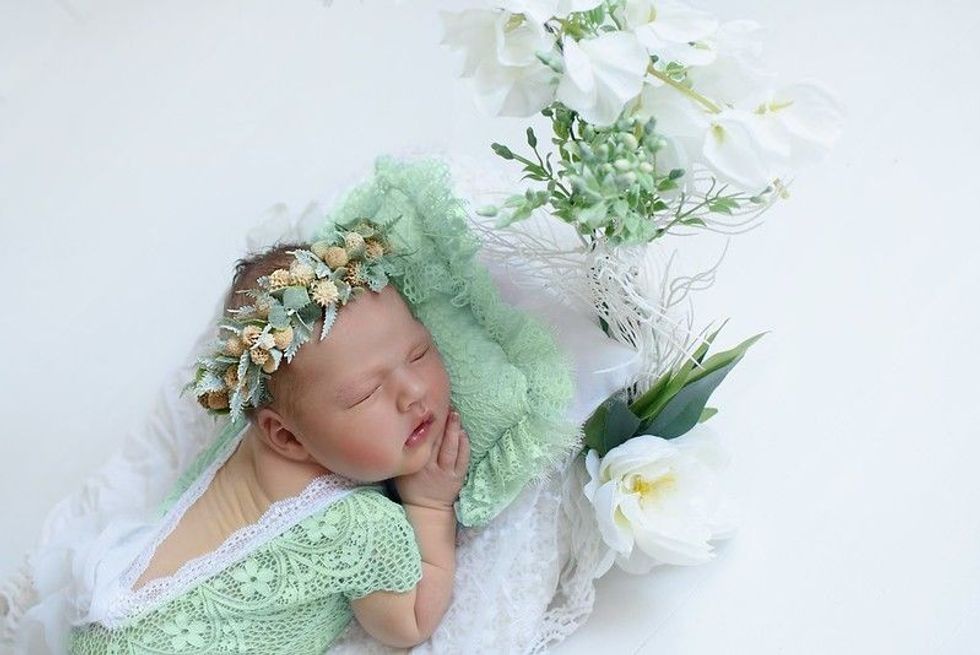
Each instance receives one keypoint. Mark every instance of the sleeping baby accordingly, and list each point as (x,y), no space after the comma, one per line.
(283,529)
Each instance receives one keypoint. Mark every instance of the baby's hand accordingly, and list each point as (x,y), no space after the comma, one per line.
(438,483)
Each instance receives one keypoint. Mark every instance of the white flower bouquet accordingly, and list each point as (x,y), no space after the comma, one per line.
(664,121)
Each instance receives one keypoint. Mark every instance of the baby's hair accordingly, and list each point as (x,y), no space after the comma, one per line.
(248,270)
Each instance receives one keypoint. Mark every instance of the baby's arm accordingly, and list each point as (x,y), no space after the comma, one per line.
(409,618)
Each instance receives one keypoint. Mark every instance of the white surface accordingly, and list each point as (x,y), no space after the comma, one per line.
(137,132)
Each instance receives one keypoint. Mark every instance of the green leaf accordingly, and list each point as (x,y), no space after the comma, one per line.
(329,316)
(610,425)
(531,139)
(295,297)
(278,318)
(681,413)
(721,359)
(707,413)
(642,405)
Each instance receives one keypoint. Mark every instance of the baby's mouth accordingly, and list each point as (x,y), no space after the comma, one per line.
(427,420)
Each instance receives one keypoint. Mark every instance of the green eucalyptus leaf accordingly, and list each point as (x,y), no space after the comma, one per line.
(278,318)
(295,297)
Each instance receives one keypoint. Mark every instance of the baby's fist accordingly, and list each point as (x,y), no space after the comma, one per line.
(438,483)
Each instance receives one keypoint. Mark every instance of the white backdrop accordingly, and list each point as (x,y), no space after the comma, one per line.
(139,139)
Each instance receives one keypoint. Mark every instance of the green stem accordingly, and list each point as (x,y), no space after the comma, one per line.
(694,95)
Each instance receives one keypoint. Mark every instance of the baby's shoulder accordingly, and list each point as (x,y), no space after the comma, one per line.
(362,511)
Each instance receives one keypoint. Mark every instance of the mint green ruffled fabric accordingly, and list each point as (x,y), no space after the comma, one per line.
(511,382)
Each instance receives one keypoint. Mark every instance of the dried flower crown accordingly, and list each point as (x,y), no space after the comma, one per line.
(286,305)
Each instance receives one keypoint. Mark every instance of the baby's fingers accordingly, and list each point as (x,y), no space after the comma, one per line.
(450,443)
(463,459)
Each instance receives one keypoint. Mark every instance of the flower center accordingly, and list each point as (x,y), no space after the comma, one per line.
(650,489)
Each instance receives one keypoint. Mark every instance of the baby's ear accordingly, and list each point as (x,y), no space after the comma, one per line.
(276,435)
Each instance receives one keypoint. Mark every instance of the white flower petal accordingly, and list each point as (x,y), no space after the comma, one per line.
(517,44)
(473,32)
(612,525)
(733,150)
(514,90)
(602,75)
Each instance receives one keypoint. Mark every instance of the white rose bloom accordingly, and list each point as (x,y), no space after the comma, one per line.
(658,501)
(499,54)
(602,75)
(667,28)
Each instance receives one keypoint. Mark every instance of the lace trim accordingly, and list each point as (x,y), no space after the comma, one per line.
(279,517)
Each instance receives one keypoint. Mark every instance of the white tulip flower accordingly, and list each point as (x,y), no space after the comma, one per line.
(658,501)
(667,28)
(602,75)
(500,55)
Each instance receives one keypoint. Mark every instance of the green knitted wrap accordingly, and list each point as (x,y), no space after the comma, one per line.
(510,380)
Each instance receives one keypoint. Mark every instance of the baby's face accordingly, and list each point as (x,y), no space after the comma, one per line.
(360,393)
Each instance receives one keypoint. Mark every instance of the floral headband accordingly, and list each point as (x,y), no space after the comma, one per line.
(288,302)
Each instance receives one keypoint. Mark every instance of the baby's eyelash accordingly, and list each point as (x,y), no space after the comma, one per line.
(420,355)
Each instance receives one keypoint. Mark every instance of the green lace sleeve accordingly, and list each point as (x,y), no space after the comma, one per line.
(390,559)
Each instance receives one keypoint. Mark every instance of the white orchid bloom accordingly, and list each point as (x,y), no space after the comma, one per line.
(543,10)
(500,55)
(736,69)
(741,152)
(659,501)
(680,120)
(602,75)
(773,134)
(805,116)
(667,28)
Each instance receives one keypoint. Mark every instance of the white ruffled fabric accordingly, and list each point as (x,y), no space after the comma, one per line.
(523,583)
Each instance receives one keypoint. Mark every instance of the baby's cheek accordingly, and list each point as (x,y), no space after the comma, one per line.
(367,455)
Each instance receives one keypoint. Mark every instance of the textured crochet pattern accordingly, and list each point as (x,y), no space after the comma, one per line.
(291,596)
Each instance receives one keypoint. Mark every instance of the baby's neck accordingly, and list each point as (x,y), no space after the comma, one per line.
(268,476)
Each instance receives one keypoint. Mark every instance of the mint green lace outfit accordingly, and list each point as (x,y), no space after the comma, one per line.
(291,595)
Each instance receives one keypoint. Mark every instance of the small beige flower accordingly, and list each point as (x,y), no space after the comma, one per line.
(283,338)
(231,377)
(234,346)
(301,274)
(262,307)
(353,276)
(271,365)
(325,292)
(279,279)
(250,334)
(217,399)
(266,342)
(320,249)
(335,257)
(259,356)
(374,249)
(354,242)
